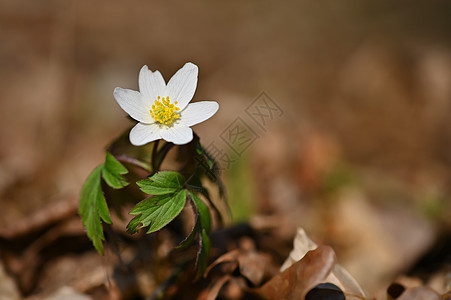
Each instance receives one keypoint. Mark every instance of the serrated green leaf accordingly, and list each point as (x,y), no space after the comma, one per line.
(202,210)
(203,253)
(93,208)
(132,226)
(113,165)
(94,230)
(156,212)
(113,171)
(161,183)
(116,182)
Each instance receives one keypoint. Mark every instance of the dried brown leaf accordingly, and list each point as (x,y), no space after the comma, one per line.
(301,245)
(231,256)
(301,277)
(252,264)
(216,288)
(339,276)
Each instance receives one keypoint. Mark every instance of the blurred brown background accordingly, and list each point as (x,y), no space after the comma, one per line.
(360,158)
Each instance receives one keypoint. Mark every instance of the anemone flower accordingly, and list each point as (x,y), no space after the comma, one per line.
(163,110)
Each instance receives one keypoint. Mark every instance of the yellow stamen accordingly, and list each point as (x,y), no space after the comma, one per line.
(164,112)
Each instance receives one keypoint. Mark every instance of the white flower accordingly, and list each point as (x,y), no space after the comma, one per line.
(163,111)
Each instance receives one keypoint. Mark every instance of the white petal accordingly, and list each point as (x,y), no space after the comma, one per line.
(198,112)
(133,103)
(142,134)
(151,84)
(178,135)
(182,85)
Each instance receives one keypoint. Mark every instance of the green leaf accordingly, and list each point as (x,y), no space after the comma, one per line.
(203,253)
(113,171)
(93,208)
(161,183)
(189,239)
(94,230)
(203,211)
(114,166)
(156,212)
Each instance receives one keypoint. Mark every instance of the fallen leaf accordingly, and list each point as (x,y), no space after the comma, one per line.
(213,292)
(339,276)
(296,281)
(231,256)
(301,245)
(252,264)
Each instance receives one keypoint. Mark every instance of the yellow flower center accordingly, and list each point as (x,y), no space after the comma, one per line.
(163,111)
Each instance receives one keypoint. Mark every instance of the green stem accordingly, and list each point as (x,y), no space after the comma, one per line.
(153,160)
(133,161)
(158,156)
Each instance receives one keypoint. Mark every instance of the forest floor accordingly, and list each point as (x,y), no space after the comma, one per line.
(357,154)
